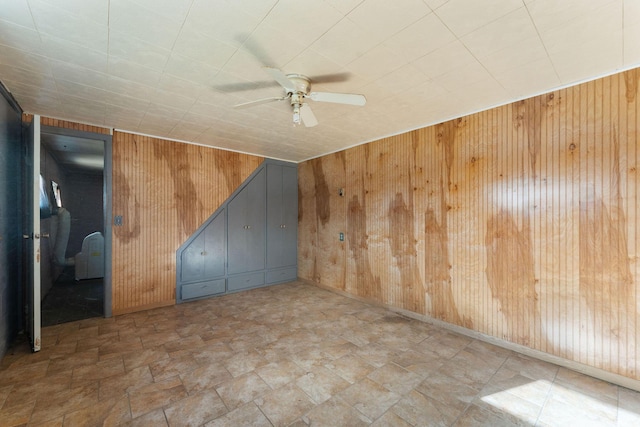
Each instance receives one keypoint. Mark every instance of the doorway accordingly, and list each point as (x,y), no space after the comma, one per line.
(75,170)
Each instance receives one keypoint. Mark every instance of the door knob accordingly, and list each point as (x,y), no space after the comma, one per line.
(26,236)
(44,235)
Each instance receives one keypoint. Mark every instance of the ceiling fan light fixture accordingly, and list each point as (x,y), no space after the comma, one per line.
(296,114)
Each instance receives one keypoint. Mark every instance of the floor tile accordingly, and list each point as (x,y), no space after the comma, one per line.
(476,416)
(243,362)
(396,379)
(390,419)
(67,401)
(195,410)
(120,384)
(246,415)
(155,418)
(418,409)
(277,374)
(370,398)
(285,405)
(335,412)
(172,366)
(205,377)
(243,389)
(291,355)
(321,384)
(568,406)
(351,367)
(18,414)
(156,395)
(109,412)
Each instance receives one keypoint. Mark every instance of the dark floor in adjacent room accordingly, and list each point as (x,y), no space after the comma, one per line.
(69,300)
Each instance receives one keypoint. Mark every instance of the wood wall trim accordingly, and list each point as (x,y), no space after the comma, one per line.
(520,223)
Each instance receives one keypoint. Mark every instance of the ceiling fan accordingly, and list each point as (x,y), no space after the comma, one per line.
(297,89)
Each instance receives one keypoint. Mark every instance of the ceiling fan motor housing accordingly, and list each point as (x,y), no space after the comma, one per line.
(301,83)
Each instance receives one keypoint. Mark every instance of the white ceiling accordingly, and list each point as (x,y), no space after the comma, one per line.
(169,68)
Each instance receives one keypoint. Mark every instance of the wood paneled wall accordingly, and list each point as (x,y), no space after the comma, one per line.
(164,191)
(520,222)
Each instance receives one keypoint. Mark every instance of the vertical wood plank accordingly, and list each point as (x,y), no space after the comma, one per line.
(520,222)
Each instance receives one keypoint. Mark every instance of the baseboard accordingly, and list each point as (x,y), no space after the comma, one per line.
(127,310)
(537,354)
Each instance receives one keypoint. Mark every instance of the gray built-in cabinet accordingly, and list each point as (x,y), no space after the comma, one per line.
(249,242)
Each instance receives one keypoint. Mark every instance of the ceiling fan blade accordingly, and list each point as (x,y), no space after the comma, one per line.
(307,116)
(281,78)
(330,78)
(239,87)
(259,102)
(338,98)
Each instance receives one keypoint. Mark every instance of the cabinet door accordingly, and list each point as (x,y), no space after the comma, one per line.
(246,227)
(282,216)
(205,256)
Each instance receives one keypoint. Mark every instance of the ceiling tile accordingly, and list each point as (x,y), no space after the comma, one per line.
(74,73)
(79,91)
(376,63)
(196,45)
(130,89)
(344,6)
(175,69)
(550,14)
(311,63)
(180,86)
(304,21)
(175,10)
(632,45)
(580,30)
(434,4)
(578,62)
(131,71)
(481,94)
(152,124)
(20,37)
(446,59)
(25,60)
(404,78)
(27,77)
(388,17)
(421,38)
(168,111)
(95,10)
(514,56)
(346,41)
(17,12)
(65,25)
(270,46)
(464,16)
(132,20)
(172,99)
(191,70)
(222,19)
(532,78)
(509,30)
(471,73)
(138,51)
(72,53)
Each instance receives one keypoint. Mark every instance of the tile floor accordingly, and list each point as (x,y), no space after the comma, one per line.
(290,355)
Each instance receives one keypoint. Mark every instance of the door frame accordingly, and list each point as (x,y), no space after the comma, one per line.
(107,208)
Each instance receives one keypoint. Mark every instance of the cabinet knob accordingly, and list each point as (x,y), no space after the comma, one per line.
(203,253)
